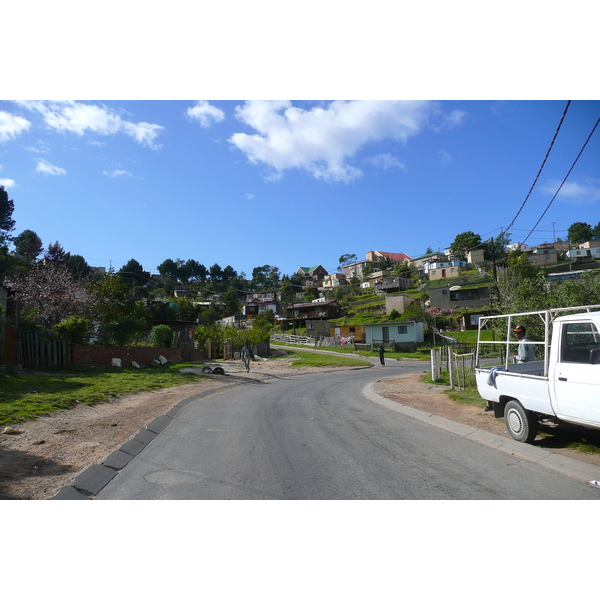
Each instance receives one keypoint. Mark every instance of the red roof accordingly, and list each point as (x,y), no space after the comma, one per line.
(395,256)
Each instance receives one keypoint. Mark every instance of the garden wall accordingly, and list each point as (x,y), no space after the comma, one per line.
(101,356)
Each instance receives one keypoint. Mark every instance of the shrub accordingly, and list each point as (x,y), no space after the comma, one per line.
(75,329)
(161,336)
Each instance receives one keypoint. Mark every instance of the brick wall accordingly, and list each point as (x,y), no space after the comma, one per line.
(101,356)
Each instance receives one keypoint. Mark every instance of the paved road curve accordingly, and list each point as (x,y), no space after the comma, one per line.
(319,437)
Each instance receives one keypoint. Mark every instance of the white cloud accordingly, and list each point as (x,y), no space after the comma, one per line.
(45,167)
(445,158)
(7,183)
(78,118)
(385,161)
(573,192)
(11,126)
(205,113)
(321,140)
(117,173)
(249,196)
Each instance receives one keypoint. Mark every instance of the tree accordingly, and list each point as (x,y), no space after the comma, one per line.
(168,268)
(464,242)
(216,273)
(346,259)
(29,245)
(596,232)
(132,270)
(77,265)
(197,271)
(50,291)
(7,224)
(580,232)
(265,277)
(55,253)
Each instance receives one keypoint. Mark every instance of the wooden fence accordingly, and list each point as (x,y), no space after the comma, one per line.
(40,351)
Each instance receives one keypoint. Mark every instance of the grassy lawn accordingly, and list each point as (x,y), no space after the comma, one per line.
(419,355)
(25,397)
(307,358)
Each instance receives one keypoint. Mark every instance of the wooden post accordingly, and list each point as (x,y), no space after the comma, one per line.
(451,366)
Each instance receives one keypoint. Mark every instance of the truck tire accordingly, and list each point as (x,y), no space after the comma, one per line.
(521,423)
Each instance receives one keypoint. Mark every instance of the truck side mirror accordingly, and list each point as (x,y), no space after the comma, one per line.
(595,356)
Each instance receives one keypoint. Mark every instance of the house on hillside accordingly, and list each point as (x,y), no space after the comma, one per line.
(375,256)
(320,309)
(257,306)
(444,272)
(404,334)
(393,283)
(312,275)
(333,281)
(459,298)
(584,254)
(542,256)
(475,256)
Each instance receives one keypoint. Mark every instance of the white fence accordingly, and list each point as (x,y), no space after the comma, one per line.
(293,339)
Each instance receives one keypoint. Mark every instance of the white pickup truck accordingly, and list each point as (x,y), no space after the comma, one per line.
(562,384)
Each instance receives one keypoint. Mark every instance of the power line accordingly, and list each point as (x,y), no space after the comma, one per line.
(563,181)
(541,168)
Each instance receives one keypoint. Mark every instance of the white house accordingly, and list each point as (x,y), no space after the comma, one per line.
(407,333)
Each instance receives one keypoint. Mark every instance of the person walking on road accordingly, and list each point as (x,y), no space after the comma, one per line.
(246,356)
(381,355)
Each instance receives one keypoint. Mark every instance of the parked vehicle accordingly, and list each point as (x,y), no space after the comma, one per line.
(562,384)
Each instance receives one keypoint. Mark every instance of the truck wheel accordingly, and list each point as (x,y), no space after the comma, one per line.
(521,423)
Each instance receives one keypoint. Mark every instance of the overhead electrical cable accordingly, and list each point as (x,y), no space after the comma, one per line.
(542,167)
(563,181)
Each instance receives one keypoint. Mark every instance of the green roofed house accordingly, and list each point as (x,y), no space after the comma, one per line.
(312,275)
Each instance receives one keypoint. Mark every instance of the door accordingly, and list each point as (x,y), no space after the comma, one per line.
(385,332)
(576,381)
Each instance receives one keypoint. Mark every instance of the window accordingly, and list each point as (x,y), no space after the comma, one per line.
(403,329)
(385,332)
(352,329)
(578,340)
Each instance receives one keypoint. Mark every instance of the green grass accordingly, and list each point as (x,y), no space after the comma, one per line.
(314,359)
(470,335)
(26,397)
(419,355)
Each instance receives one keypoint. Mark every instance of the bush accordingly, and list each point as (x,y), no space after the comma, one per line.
(124,331)
(161,336)
(75,329)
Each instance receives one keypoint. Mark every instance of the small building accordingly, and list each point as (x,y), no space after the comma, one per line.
(460,298)
(334,280)
(541,257)
(312,275)
(475,256)
(317,311)
(445,272)
(405,334)
(345,332)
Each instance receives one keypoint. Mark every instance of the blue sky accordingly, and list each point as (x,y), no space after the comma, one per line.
(291,183)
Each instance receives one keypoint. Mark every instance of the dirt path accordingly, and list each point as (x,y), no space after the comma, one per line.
(44,455)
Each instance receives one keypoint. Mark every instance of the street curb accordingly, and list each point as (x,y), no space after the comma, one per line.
(563,464)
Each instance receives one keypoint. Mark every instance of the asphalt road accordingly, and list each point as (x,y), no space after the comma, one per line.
(319,437)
